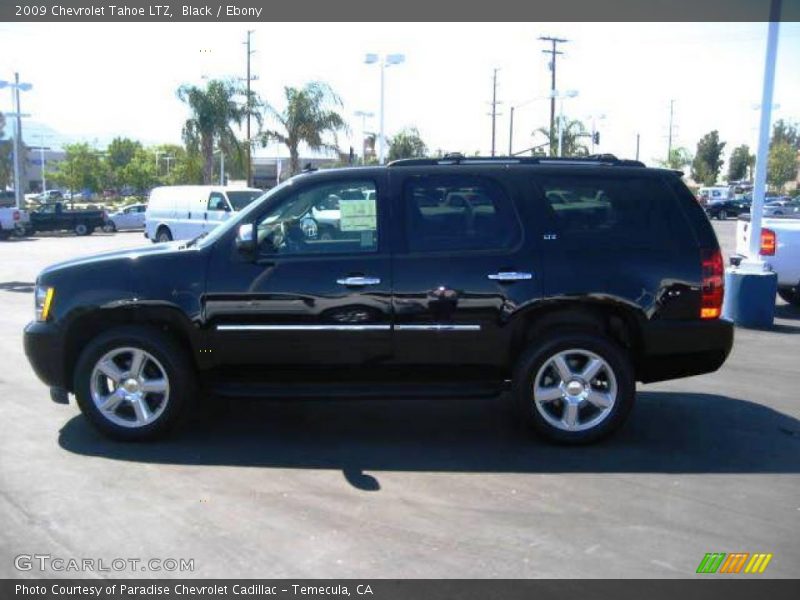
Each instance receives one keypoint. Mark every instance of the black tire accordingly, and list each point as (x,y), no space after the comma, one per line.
(163,235)
(82,229)
(177,367)
(4,234)
(790,295)
(722,215)
(110,227)
(531,362)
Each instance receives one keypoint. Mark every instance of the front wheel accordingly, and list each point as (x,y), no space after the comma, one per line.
(790,295)
(574,387)
(134,383)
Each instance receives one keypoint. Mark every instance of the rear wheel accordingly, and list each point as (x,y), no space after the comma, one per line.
(81,229)
(790,295)
(134,383)
(163,235)
(574,387)
(110,227)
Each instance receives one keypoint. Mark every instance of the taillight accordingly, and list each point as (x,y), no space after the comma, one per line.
(768,242)
(713,284)
(15,216)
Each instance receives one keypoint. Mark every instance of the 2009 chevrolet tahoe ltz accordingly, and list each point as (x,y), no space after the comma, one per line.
(570,279)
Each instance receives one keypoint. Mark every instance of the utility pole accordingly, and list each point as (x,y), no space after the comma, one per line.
(669,134)
(511,133)
(553,52)
(249,110)
(494,109)
(637,146)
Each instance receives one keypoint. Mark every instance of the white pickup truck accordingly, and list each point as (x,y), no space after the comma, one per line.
(13,221)
(779,248)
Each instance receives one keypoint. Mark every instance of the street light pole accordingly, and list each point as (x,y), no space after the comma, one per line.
(384,61)
(763,139)
(381,139)
(16,86)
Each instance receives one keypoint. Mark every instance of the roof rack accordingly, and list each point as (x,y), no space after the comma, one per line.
(456,158)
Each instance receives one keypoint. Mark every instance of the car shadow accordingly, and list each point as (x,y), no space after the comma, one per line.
(787,311)
(667,433)
(23,287)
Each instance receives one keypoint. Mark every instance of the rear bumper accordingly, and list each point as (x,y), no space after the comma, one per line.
(675,349)
(44,349)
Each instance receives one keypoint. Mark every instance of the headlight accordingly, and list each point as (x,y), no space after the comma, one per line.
(43,300)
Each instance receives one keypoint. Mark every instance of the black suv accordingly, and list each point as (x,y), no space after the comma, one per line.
(565,280)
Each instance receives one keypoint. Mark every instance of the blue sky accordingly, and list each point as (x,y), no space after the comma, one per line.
(96,81)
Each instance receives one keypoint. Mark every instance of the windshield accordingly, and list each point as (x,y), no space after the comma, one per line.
(240,217)
(241,199)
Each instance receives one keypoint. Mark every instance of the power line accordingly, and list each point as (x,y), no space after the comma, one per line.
(553,52)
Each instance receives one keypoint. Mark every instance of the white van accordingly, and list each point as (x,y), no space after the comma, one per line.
(714,194)
(182,212)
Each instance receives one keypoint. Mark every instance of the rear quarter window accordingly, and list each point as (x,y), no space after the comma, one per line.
(597,210)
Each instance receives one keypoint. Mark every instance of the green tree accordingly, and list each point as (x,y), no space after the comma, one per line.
(572,136)
(407,144)
(119,153)
(782,164)
(678,159)
(139,171)
(214,111)
(785,132)
(708,159)
(309,117)
(80,168)
(741,160)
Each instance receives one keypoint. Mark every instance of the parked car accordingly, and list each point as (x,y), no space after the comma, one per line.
(722,209)
(778,208)
(779,247)
(54,217)
(410,297)
(13,221)
(50,196)
(183,212)
(130,217)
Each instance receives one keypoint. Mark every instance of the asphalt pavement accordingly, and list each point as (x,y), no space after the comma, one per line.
(404,488)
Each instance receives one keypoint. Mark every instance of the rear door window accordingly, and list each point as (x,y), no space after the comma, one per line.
(458,213)
(597,209)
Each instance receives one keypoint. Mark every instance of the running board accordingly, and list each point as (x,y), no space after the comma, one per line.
(355,391)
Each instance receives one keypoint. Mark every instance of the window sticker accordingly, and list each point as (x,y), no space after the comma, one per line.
(357,215)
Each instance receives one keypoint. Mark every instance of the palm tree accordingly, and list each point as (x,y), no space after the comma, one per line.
(309,115)
(571,135)
(214,110)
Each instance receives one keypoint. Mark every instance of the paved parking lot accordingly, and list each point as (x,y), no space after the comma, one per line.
(409,488)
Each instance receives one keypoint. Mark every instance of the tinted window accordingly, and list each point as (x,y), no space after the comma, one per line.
(600,208)
(458,213)
(322,219)
(241,199)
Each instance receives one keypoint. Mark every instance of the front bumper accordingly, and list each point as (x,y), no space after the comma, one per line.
(675,349)
(45,351)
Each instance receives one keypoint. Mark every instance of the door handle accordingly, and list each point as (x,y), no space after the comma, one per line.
(510,276)
(358,281)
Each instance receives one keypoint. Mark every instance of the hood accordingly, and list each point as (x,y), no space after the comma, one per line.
(129,255)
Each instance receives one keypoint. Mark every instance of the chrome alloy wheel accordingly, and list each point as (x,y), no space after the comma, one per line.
(575,390)
(129,387)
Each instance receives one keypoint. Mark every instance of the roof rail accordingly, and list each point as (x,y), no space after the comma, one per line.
(456,158)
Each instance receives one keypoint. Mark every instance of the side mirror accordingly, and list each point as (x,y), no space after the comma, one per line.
(246,239)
